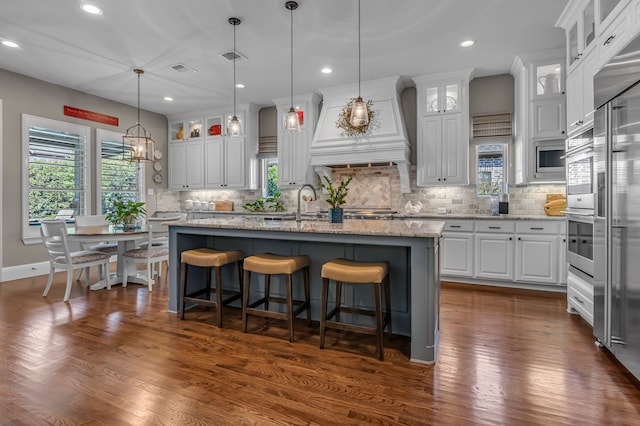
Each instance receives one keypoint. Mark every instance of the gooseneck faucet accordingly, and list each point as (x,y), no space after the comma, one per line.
(298,214)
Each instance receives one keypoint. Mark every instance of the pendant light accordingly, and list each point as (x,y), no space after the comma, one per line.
(359,114)
(234,127)
(137,144)
(292,121)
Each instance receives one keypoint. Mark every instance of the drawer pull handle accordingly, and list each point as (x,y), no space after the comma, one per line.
(537,228)
(495,227)
(455,226)
(609,40)
(580,301)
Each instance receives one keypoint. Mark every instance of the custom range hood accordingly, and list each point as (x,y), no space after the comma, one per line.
(385,142)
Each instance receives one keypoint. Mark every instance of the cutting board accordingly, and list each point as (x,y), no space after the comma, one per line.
(226,206)
(553,197)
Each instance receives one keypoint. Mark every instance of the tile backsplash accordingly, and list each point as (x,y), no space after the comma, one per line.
(379,187)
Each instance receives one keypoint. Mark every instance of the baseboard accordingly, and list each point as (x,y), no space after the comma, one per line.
(25,271)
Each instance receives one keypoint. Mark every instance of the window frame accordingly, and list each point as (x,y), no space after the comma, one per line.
(114,137)
(31,234)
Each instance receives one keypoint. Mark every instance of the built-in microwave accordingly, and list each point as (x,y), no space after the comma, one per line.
(550,160)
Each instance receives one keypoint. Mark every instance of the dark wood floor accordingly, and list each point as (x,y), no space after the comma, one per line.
(118,358)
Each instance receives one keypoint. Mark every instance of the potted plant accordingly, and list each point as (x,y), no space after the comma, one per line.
(126,212)
(336,197)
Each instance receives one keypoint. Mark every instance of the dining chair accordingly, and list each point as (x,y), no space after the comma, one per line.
(54,237)
(150,254)
(162,238)
(107,247)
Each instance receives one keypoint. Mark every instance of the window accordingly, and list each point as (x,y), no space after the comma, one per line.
(118,178)
(269,173)
(56,172)
(492,170)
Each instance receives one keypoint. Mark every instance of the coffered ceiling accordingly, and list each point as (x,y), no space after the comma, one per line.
(61,44)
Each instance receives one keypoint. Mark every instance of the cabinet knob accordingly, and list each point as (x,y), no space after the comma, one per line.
(444,179)
(519,239)
(510,238)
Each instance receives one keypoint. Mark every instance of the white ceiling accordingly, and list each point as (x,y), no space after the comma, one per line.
(96,54)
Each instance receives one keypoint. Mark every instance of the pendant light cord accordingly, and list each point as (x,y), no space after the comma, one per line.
(291,92)
(234,69)
(358,48)
(138,72)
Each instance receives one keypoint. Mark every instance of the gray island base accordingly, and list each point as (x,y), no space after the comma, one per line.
(411,247)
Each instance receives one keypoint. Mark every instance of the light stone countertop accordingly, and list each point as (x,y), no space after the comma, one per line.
(390,228)
(449,216)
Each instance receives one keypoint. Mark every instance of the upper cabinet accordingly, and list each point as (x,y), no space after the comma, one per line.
(443,128)
(540,113)
(293,147)
(202,156)
(580,30)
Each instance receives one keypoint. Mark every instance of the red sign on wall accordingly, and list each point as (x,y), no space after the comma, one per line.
(90,115)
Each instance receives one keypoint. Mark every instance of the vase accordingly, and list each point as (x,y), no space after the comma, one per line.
(335,215)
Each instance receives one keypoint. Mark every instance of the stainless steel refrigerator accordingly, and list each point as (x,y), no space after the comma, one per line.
(617,213)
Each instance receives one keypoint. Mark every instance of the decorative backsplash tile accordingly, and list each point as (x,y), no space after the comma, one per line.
(379,187)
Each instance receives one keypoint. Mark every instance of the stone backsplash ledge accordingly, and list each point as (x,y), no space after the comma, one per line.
(379,187)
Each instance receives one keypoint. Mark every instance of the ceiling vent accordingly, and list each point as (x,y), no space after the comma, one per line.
(182,68)
(231,54)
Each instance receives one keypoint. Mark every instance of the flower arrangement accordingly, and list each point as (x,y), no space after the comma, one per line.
(337,194)
(345,115)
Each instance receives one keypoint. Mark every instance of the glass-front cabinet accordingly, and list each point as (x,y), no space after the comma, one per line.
(442,98)
(548,79)
(606,7)
(580,33)
(187,130)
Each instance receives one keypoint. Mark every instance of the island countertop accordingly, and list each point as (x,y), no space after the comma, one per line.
(389,228)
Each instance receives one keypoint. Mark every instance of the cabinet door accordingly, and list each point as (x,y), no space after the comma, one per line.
(177,166)
(536,258)
(195,165)
(214,157)
(293,161)
(574,100)
(234,163)
(494,256)
(562,259)
(457,254)
(548,118)
(454,150)
(430,151)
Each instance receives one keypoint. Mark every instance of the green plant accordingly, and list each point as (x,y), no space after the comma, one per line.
(263,204)
(336,194)
(125,212)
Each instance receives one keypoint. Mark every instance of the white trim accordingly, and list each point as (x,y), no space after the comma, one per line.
(27,270)
(2,157)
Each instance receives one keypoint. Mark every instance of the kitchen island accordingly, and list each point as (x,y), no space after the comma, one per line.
(411,248)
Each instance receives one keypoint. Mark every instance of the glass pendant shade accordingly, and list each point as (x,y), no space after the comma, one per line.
(234,127)
(137,145)
(292,121)
(359,113)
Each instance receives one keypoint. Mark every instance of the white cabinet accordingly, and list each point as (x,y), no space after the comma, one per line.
(579,23)
(456,258)
(614,36)
(548,119)
(186,165)
(580,295)
(580,105)
(293,147)
(537,252)
(225,163)
(494,250)
(443,129)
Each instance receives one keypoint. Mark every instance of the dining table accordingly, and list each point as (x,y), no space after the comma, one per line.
(126,239)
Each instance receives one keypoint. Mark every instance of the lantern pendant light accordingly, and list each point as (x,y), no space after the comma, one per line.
(359,113)
(292,121)
(137,145)
(234,127)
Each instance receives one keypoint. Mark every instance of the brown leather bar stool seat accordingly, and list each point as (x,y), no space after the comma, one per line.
(356,272)
(272,264)
(213,260)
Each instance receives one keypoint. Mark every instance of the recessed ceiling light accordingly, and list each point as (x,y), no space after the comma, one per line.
(9,43)
(326,70)
(168,98)
(467,43)
(92,9)
(240,86)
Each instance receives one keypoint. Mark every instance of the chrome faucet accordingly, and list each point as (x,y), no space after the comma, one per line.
(315,196)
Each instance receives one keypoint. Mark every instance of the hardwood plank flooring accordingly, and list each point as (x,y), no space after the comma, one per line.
(508,357)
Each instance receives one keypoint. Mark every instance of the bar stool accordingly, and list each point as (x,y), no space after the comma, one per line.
(213,260)
(352,272)
(272,264)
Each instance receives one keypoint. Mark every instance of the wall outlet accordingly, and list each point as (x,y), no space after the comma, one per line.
(442,210)
(149,191)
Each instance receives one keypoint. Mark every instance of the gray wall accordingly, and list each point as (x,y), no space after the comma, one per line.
(491,95)
(21,94)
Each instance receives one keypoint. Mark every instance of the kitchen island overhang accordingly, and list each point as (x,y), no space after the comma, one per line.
(412,248)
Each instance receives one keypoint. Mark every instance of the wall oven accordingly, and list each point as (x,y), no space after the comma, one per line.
(580,241)
(580,177)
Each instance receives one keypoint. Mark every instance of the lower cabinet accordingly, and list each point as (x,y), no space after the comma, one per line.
(518,251)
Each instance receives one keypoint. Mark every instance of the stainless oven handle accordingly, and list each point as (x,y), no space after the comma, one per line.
(587,148)
(577,213)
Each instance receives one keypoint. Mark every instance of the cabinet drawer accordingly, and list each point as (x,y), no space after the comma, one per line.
(614,37)
(580,303)
(458,226)
(498,226)
(537,227)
